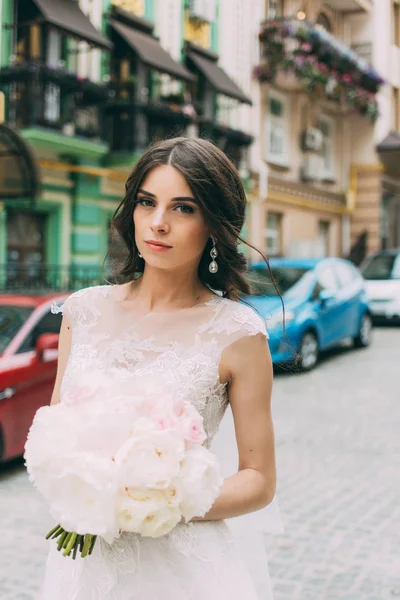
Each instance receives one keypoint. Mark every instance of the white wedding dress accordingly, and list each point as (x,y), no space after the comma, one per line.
(213,560)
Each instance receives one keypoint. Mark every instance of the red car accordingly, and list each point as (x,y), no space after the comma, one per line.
(28,364)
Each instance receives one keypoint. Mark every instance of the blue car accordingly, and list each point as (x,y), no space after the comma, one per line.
(325,303)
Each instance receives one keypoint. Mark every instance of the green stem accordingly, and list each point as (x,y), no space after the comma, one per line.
(92,544)
(86,545)
(56,528)
(77,542)
(70,544)
(61,540)
(67,539)
(58,533)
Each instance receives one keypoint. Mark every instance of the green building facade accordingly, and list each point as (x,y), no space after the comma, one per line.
(85,94)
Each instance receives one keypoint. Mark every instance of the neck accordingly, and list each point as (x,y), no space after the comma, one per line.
(160,289)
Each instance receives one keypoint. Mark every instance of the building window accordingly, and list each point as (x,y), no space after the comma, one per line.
(273,234)
(323,238)
(275,9)
(137,7)
(276,130)
(326,126)
(323,22)
(26,245)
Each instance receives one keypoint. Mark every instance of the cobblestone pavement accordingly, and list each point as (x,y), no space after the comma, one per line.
(338,457)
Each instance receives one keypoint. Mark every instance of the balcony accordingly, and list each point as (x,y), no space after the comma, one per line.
(53,98)
(350,5)
(296,55)
(132,124)
(232,141)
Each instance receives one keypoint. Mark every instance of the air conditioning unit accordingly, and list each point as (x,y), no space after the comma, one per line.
(312,169)
(312,140)
(202,10)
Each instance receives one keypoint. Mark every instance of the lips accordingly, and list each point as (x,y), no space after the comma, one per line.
(158,244)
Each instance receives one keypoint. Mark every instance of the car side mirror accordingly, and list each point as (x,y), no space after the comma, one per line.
(45,342)
(325,295)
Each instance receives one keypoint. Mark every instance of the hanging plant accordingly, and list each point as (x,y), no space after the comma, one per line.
(323,64)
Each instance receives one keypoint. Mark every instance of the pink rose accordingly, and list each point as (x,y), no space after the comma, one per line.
(167,422)
(192,430)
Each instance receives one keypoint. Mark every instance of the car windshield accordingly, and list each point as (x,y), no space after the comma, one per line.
(381,267)
(11,320)
(285,277)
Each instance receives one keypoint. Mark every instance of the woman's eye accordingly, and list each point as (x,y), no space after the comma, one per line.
(185,208)
(145,201)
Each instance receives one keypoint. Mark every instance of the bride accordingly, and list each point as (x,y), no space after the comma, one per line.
(178,319)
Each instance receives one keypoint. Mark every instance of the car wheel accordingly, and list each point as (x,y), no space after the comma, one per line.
(308,351)
(364,336)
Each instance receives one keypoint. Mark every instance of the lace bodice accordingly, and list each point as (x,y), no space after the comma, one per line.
(180,349)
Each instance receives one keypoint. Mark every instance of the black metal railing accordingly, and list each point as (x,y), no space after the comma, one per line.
(136,126)
(53,98)
(232,141)
(50,278)
(121,96)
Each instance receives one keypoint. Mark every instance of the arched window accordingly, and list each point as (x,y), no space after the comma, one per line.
(324,22)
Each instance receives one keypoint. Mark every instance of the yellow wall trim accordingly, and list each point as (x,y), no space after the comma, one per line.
(355,170)
(95,171)
(275,196)
(301,202)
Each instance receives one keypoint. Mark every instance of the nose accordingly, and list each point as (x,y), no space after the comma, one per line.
(159,222)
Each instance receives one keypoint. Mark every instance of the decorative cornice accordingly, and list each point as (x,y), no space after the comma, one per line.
(306,196)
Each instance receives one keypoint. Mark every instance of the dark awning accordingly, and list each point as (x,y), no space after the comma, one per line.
(150,51)
(218,79)
(391,143)
(19,177)
(67,16)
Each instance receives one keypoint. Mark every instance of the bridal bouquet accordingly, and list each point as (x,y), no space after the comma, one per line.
(109,461)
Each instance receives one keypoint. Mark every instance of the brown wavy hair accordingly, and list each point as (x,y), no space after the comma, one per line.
(217,187)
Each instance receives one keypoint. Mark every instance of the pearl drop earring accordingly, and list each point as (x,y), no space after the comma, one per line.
(213,266)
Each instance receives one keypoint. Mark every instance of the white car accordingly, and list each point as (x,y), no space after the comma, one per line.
(382,274)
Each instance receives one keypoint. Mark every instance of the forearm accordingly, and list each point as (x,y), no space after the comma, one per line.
(244,492)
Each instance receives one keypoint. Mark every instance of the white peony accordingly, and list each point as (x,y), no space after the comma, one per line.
(54,429)
(110,460)
(82,497)
(149,458)
(146,512)
(199,482)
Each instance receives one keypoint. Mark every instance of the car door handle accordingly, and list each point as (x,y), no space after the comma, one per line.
(7,393)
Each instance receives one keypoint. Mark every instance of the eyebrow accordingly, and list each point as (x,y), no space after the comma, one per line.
(178,199)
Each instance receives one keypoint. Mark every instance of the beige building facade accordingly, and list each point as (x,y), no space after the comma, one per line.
(324,99)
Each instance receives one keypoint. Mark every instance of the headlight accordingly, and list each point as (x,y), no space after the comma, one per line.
(275,321)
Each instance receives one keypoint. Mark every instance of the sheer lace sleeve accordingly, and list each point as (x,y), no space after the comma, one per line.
(71,305)
(61,307)
(234,320)
(250,321)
